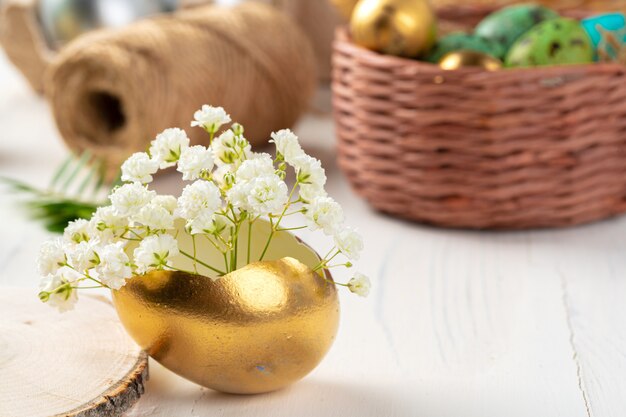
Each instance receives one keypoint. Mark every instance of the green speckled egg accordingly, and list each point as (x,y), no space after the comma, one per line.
(554,42)
(507,25)
(463,41)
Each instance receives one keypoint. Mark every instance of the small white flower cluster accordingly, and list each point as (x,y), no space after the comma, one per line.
(230,185)
(65,262)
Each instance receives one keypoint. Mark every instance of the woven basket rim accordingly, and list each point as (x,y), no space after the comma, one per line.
(342,34)
(488,8)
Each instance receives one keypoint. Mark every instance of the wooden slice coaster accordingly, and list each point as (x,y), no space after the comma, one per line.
(80,363)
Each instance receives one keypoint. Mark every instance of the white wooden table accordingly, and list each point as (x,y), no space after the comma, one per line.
(459,323)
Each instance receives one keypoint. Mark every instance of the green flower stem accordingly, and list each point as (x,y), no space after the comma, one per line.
(202,263)
(250,223)
(96,281)
(336,283)
(228,217)
(195,262)
(291,228)
(325,262)
(228,246)
(234,241)
(137,238)
(85,288)
(233,250)
(223,251)
(180,270)
(225,260)
(240,154)
(86,276)
(347,265)
(218,248)
(215,245)
(275,226)
(290,214)
(236,250)
(232,210)
(329,252)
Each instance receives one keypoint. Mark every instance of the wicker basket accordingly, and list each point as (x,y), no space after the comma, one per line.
(512,149)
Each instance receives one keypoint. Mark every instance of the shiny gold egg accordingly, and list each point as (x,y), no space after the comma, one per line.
(466,58)
(397,27)
(345,7)
(254,330)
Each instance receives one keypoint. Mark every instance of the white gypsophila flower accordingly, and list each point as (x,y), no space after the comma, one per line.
(260,165)
(128,199)
(360,285)
(287,145)
(114,268)
(210,118)
(207,223)
(224,176)
(58,292)
(227,148)
(84,256)
(237,195)
(260,196)
(155,252)
(199,197)
(139,168)
(106,225)
(309,192)
(194,162)
(324,213)
(168,146)
(267,194)
(51,256)
(155,217)
(69,274)
(309,171)
(349,242)
(168,202)
(78,231)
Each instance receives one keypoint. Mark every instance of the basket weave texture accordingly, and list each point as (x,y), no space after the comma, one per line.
(564,5)
(512,149)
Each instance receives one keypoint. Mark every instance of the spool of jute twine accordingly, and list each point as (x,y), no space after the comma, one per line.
(111,92)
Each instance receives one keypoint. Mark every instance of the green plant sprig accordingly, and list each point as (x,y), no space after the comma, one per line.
(77,188)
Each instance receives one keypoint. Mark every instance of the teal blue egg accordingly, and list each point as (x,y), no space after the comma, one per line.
(607,32)
(555,42)
(463,41)
(508,24)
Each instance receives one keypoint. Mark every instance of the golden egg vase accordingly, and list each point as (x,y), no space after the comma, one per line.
(254,330)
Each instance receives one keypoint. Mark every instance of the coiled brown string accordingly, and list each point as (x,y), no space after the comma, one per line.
(112,91)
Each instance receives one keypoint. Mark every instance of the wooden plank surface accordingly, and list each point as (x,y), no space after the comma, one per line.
(458,324)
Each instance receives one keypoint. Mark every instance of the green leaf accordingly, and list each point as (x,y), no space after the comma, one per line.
(84,159)
(59,173)
(57,208)
(18,185)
